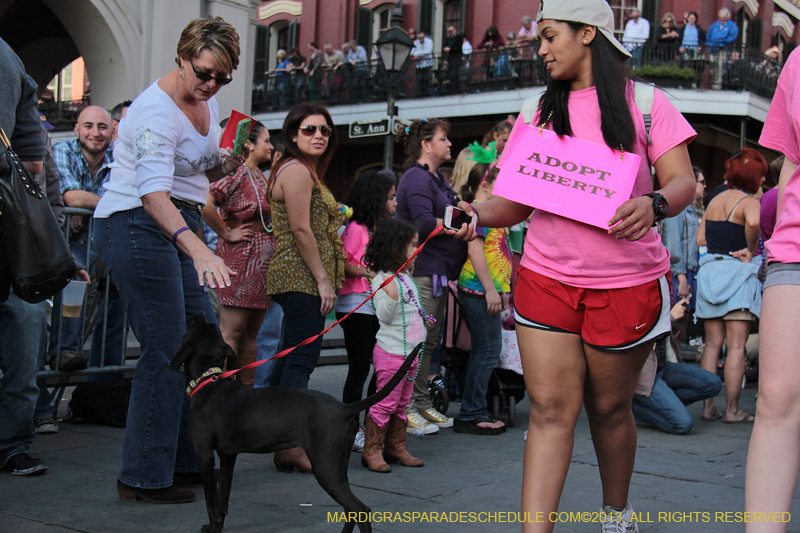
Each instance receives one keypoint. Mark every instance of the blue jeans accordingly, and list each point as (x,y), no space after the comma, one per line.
(158,287)
(676,386)
(636,55)
(71,329)
(23,334)
(487,341)
(301,320)
(269,340)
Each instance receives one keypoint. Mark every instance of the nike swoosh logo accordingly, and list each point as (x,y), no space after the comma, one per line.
(640,327)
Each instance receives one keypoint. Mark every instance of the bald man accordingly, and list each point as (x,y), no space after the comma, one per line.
(83,167)
(82,163)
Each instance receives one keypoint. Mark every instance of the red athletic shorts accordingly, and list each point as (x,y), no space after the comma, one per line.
(611,320)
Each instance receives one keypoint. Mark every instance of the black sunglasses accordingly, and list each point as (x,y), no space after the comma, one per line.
(311,129)
(206,77)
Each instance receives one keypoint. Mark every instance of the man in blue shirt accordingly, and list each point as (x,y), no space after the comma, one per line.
(83,166)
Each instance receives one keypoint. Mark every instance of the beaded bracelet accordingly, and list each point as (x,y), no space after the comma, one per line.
(175,235)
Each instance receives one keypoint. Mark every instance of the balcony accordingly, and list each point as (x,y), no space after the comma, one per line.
(63,115)
(737,69)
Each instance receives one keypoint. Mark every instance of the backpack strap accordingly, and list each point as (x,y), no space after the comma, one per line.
(644,96)
(529,109)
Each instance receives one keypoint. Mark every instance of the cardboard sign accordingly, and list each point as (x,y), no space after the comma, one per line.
(229,135)
(569,177)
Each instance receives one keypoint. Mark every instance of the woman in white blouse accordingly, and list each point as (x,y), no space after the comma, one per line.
(145,226)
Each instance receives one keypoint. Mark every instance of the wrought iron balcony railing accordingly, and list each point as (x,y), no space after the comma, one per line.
(733,68)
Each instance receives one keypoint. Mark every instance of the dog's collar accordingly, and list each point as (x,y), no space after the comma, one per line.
(194,384)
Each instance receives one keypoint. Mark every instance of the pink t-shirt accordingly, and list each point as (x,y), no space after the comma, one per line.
(584,256)
(355,239)
(781,132)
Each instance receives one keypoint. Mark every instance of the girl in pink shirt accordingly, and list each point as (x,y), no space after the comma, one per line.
(774,456)
(372,199)
(591,302)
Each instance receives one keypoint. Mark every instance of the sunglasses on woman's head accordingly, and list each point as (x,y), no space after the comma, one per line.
(206,77)
(311,129)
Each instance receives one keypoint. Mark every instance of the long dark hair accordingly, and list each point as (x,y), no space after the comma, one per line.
(291,128)
(368,197)
(386,251)
(491,33)
(611,75)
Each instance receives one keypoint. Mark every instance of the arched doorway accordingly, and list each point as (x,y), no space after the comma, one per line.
(48,35)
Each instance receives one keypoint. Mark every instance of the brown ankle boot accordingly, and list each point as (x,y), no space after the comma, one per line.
(395,449)
(288,460)
(246,357)
(371,453)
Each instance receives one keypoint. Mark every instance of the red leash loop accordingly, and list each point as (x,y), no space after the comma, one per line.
(309,340)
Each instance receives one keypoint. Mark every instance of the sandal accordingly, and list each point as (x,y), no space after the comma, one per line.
(471,426)
(747,419)
(713,418)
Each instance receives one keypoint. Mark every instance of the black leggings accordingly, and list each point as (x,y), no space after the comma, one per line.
(359,340)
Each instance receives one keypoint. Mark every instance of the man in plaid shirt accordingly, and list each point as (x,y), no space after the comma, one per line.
(83,167)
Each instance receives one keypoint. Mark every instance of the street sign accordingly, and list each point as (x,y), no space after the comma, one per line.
(368,128)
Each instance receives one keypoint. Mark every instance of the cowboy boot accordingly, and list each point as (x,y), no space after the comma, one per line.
(288,460)
(371,453)
(395,450)
(246,357)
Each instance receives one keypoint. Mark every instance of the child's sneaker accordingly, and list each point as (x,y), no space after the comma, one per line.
(618,521)
(419,426)
(358,444)
(435,417)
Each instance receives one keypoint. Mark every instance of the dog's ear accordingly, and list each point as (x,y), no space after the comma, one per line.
(230,358)
(186,350)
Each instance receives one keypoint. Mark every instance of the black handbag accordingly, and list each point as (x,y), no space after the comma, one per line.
(38,254)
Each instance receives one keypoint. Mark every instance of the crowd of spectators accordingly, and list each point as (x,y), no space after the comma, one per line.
(144,172)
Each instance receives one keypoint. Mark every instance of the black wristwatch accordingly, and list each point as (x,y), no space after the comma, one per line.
(660,206)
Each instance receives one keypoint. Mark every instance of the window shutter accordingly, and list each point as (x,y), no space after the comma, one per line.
(294,31)
(754,33)
(425,22)
(364,27)
(262,51)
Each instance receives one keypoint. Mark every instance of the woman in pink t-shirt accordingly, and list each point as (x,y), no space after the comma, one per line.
(591,302)
(774,456)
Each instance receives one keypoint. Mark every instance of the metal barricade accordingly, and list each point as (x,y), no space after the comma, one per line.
(94,303)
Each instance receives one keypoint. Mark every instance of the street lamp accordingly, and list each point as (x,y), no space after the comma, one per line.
(394,48)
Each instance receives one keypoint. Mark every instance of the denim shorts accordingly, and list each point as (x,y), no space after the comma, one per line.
(782,274)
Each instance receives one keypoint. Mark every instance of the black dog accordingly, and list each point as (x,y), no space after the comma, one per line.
(231,418)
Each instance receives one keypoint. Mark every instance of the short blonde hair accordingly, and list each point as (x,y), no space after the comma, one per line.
(212,34)
(281,54)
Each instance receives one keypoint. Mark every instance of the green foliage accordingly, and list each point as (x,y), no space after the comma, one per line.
(665,71)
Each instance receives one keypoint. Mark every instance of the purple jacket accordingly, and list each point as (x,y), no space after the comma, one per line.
(421,199)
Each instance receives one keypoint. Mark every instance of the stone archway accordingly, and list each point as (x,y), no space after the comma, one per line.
(110,42)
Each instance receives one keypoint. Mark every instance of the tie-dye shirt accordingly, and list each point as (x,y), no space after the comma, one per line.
(498,257)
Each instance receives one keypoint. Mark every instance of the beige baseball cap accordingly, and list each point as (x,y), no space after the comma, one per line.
(592,12)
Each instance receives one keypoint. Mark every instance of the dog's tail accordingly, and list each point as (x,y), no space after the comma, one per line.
(389,387)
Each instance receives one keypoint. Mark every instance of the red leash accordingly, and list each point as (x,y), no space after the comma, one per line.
(309,340)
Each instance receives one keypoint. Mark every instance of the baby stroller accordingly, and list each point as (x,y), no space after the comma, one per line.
(506,384)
